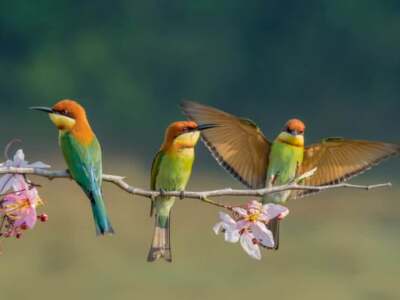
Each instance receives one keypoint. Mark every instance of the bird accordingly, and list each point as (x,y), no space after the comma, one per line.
(82,154)
(242,149)
(171,170)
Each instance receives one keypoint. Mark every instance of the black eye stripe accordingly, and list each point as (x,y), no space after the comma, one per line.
(187,129)
(288,130)
(63,112)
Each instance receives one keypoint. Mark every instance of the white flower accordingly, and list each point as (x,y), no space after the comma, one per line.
(11,181)
(248,225)
(228,226)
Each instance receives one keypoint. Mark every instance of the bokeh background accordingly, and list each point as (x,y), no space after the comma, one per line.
(335,64)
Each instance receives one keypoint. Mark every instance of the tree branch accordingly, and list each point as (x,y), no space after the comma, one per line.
(204,196)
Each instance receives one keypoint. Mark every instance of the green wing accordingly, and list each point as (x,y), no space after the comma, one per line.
(84,162)
(155,168)
(85,166)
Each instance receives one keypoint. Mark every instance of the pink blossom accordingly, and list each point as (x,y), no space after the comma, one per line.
(248,225)
(18,208)
(11,181)
(18,211)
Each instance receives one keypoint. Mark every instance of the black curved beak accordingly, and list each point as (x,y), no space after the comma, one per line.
(43,109)
(206,126)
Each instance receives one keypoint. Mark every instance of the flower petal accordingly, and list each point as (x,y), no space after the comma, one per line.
(246,241)
(28,217)
(33,196)
(231,236)
(283,214)
(218,228)
(254,206)
(226,218)
(19,158)
(19,183)
(263,234)
(7,164)
(242,224)
(10,199)
(6,183)
(240,211)
(271,211)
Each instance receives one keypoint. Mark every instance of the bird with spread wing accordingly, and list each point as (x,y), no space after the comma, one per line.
(241,148)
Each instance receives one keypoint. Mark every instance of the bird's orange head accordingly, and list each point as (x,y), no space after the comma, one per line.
(295,127)
(293,133)
(69,116)
(183,134)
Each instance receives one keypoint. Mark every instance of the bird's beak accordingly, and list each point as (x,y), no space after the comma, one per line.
(206,126)
(43,109)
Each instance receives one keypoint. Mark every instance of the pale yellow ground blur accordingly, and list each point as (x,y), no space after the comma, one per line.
(338,245)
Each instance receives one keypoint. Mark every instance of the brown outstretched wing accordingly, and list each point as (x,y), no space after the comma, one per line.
(338,160)
(237,144)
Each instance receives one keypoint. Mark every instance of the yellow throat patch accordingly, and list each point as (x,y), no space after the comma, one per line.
(62,122)
(187,140)
(287,138)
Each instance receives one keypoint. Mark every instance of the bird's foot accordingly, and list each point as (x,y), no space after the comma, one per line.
(162,192)
(182,195)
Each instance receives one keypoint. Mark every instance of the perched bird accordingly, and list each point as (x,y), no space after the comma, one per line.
(241,148)
(82,153)
(170,171)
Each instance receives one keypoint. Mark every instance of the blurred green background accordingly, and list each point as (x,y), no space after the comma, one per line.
(335,64)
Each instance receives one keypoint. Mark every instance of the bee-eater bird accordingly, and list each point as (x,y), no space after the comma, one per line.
(241,148)
(82,153)
(170,171)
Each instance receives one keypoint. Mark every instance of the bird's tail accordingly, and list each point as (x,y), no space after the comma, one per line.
(161,245)
(103,225)
(273,225)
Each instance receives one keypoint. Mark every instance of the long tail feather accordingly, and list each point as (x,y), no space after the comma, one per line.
(161,245)
(103,224)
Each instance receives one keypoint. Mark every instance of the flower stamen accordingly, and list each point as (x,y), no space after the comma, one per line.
(253,217)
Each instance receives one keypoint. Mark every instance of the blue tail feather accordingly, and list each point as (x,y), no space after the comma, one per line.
(103,224)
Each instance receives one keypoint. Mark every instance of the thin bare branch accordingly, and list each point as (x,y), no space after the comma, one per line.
(204,196)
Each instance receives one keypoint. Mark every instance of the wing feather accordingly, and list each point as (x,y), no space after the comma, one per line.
(338,160)
(84,162)
(155,168)
(237,144)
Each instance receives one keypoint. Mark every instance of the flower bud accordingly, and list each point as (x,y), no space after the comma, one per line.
(43,218)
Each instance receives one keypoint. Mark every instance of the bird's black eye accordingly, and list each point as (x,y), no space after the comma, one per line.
(64,112)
